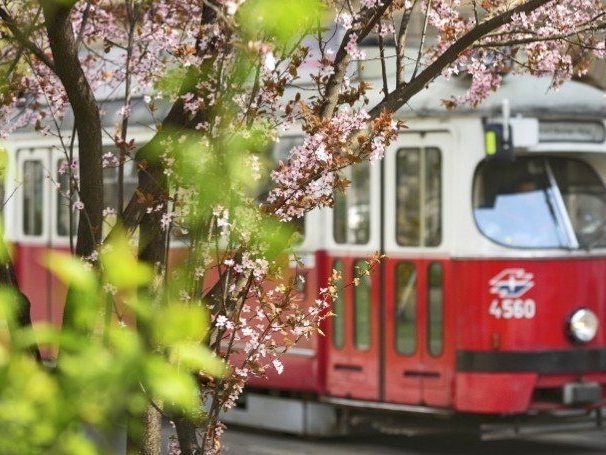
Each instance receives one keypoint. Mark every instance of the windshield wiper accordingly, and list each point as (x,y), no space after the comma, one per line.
(561,210)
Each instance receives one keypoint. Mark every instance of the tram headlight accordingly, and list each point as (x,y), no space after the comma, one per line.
(583,325)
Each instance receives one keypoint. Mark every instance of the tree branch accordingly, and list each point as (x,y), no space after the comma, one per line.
(87,121)
(369,19)
(23,40)
(422,43)
(537,39)
(403,94)
(401,44)
(383,67)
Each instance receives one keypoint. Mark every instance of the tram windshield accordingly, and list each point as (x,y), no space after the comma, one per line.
(541,202)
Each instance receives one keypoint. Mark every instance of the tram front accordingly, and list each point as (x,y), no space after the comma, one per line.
(537,339)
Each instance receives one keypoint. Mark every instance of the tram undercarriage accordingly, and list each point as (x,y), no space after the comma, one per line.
(334,417)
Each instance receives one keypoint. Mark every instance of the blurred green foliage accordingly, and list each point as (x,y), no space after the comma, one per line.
(283,21)
(107,370)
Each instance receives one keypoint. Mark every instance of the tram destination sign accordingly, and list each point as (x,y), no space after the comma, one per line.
(571,131)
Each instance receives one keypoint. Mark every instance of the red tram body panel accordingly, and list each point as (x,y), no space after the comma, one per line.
(517,361)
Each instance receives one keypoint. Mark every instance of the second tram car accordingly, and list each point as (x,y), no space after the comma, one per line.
(492,298)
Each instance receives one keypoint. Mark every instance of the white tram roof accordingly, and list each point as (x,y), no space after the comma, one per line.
(527,95)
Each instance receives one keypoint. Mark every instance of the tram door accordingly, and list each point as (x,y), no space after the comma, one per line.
(42,218)
(353,362)
(417,366)
(31,212)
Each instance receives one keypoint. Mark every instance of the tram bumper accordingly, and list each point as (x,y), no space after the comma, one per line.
(518,382)
(581,393)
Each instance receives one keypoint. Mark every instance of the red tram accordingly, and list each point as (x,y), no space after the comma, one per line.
(491,301)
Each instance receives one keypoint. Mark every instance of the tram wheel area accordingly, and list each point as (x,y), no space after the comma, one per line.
(309,417)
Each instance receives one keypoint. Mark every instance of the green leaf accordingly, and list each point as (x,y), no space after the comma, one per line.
(125,342)
(43,333)
(197,357)
(173,80)
(180,322)
(77,444)
(71,270)
(3,163)
(120,265)
(8,305)
(174,386)
(283,20)
(270,236)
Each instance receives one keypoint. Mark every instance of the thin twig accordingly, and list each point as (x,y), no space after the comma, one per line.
(422,43)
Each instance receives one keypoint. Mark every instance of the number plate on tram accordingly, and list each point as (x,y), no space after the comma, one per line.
(509,287)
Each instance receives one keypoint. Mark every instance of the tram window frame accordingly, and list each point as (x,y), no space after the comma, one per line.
(38,230)
(342,233)
(365,344)
(414,294)
(429,310)
(339,316)
(419,236)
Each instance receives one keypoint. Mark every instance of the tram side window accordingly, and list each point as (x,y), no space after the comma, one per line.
(435,306)
(351,219)
(419,197)
(338,308)
(362,311)
(406,308)
(432,234)
(33,197)
(64,203)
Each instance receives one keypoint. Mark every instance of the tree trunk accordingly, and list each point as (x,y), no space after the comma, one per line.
(186,434)
(88,126)
(144,433)
(152,250)
(152,436)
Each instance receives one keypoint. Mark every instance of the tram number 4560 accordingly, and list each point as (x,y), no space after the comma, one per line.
(513,308)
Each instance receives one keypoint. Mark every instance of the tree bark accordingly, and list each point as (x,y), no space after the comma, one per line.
(152,250)
(186,435)
(88,126)
(144,433)
(153,191)
(152,436)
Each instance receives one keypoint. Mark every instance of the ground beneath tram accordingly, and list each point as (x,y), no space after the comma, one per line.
(240,441)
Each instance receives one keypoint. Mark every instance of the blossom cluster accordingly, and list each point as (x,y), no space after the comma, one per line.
(310,176)
(557,40)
